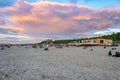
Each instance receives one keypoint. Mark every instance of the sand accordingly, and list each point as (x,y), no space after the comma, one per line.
(58,64)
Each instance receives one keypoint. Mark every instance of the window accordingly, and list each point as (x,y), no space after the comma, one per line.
(101,41)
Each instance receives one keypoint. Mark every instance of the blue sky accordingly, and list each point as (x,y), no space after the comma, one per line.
(37,20)
(92,3)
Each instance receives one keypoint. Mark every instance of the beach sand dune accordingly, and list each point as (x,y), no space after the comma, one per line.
(59,64)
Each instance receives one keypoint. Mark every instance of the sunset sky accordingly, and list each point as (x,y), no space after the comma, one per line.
(27,21)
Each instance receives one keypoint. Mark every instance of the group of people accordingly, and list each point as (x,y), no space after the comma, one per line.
(117,53)
(45,47)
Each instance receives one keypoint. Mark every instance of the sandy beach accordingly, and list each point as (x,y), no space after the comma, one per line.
(59,64)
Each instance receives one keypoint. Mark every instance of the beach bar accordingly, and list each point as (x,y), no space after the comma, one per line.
(98,41)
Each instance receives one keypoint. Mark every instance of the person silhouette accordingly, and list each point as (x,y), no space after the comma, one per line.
(110,53)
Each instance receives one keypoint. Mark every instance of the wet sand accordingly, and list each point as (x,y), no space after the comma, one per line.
(59,64)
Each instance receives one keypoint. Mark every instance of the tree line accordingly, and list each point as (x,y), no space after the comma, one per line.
(114,36)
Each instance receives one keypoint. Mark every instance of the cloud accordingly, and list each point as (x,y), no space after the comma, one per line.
(2,22)
(107,31)
(49,20)
(12,30)
(8,38)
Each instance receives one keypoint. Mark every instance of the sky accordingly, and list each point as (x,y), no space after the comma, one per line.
(29,21)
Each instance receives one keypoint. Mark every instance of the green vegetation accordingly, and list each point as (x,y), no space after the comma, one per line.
(49,41)
(66,41)
(115,37)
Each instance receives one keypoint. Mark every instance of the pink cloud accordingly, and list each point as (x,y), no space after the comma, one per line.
(13,29)
(44,18)
(2,22)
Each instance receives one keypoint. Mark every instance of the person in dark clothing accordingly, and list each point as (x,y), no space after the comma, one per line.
(46,49)
(117,54)
(110,53)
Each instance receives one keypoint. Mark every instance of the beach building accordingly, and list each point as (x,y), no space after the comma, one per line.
(98,41)
(92,42)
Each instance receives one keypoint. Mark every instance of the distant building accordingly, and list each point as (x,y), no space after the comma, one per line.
(98,41)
